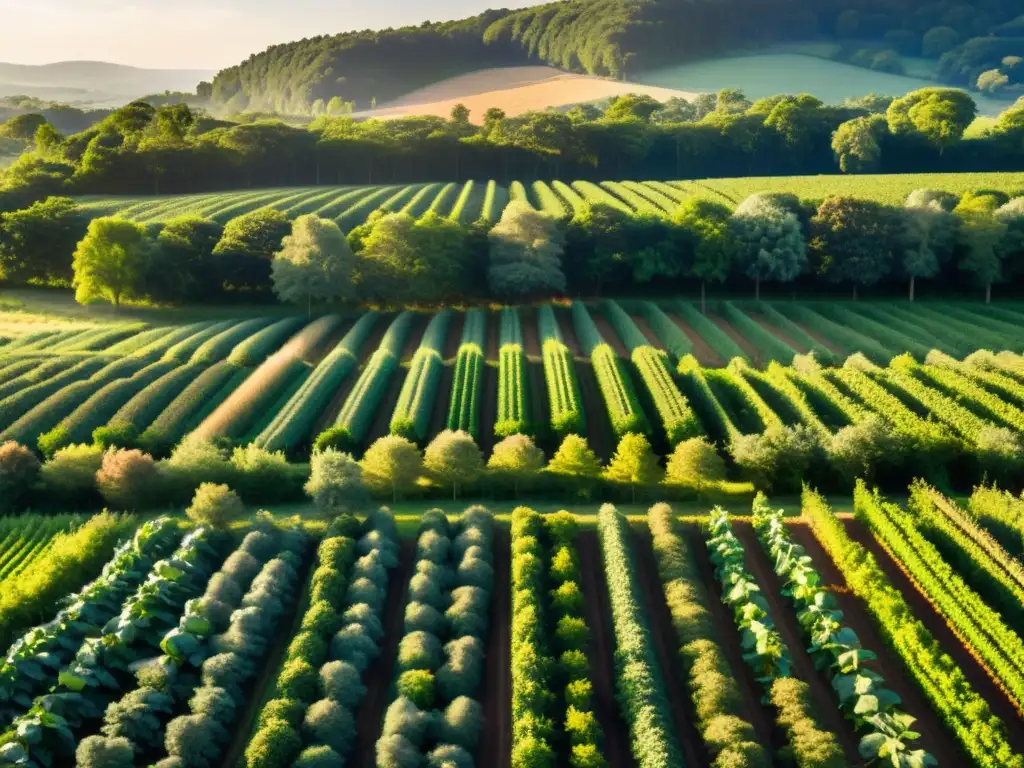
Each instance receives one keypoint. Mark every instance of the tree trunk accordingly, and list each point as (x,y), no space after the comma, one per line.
(703,298)
(757,289)
(912,279)
(854,291)
(988,293)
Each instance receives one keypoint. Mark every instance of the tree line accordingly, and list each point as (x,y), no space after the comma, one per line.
(773,240)
(141,149)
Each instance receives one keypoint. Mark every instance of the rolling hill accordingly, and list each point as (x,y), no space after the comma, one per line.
(96,83)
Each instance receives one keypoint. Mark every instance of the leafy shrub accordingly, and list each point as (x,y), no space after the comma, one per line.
(433,546)
(213,702)
(226,670)
(405,718)
(341,682)
(103,752)
(370,567)
(354,645)
(419,650)
(196,739)
(327,722)
(214,506)
(468,613)
(336,483)
(398,752)
(321,618)
(463,723)
(417,685)
(137,717)
(475,572)
(319,757)
(275,746)
(310,647)
(70,474)
(128,479)
(298,680)
(572,633)
(328,584)
(365,591)
(425,618)
(424,589)
(462,671)
(289,711)
(361,613)
(450,756)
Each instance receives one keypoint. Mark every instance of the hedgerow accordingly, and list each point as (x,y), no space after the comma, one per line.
(966,714)
(639,679)
(467,382)
(513,391)
(411,417)
(564,396)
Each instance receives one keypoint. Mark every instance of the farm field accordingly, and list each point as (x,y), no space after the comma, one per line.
(351,206)
(631,640)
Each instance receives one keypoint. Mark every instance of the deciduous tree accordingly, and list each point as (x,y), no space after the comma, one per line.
(453,457)
(705,223)
(110,262)
(770,242)
(394,463)
(516,459)
(526,254)
(315,262)
(634,463)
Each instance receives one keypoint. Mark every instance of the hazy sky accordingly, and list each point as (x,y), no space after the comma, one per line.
(198,34)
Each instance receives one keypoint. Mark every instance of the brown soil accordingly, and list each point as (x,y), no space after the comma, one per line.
(782,335)
(330,413)
(666,646)
(568,332)
(934,737)
(381,425)
(496,692)
(378,677)
(493,336)
(412,341)
(599,619)
(749,349)
(537,398)
(974,670)
(329,342)
(488,407)
(825,705)
(645,328)
(704,354)
(600,436)
(454,340)
(609,335)
(531,337)
(757,714)
(439,417)
(824,341)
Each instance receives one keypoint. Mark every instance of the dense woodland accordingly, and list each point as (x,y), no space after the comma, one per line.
(616,38)
(140,149)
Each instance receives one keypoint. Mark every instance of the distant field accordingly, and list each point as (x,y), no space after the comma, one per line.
(515,90)
(761,75)
(350,206)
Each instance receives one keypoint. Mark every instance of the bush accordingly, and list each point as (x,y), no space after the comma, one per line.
(128,479)
(336,551)
(213,702)
(405,718)
(450,756)
(319,757)
(579,694)
(475,572)
(435,520)
(354,645)
(433,546)
(215,506)
(365,591)
(460,675)
(341,682)
(196,739)
(288,710)
(310,647)
(19,469)
(398,752)
(361,613)
(463,723)
(328,585)
(532,752)
(228,671)
(572,633)
(276,745)
(568,598)
(371,567)
(101,752)
(321,618)
(135,715)
(70,475)
(336,483)
(468,613)
(424,589)
(419,650)
(298,680)
(417,685)
(327,722)
(420,617)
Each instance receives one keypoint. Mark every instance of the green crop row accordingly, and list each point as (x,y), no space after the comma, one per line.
(960,387)
(97,339)
(967,335)
(776,319)
(716,338)
(220,346)
(946,410)
(444,199)
(567,414)
(264,342)
(831,405)
(495,199)
(411,417)
(715,419)
(985,632)
(467,383)
(468,206)
(594,195)
(513,391)
(361,405)
(548,201)
(775,377)
(905,323)
(517,192)
(1000,328)
(636,201)
(891,337)
(664,203)
(639,679)
(358,212)
(671,335)
(572,199)
(183,350)
(707,674)
(749,410)
(1005,385)
(769,346)
(22,399)
(981,734)
(293,423)
(767,654)
(154,342)
(35,371)
(837,332)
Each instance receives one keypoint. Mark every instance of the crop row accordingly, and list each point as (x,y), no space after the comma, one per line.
(639,679)
(835,648)
(28,539)
(125,426)
(513,391)
(411,417)
(715,419)
(719,341)
(767,654)
(671,335)
(981,734)
(617,390)
(468,379)
(838,333)
(963,388)
(995,644)
(564,396)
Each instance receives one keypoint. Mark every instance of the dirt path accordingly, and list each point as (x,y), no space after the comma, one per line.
(934,737)
(609,335)
(667,648)
(701,350)
(378,677)
(439,417)
(330,413)
(744,343)
(496,691)
(825,706)
(599,619)
(757,713)
(976,673)
(531,336)
(645,328)
(537,402)
(782,335)
(489,391)
(564,319)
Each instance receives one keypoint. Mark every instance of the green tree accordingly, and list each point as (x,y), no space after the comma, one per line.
(248,245)
(938,40)
(335,483)
(215,506)
(525,254)
(939,115)
(392,463)
(695,462)
(856,144)
(706,223)
(981,239)
(110,262)
(631,106)
(770,242)
(453,457)
(855,240)
(182,262)
(37,243)
(575,462)
(516,459)
(315,262)
(929,238)
(22,127)
(634,463)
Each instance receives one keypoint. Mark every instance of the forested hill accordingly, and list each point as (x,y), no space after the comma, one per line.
(615,38)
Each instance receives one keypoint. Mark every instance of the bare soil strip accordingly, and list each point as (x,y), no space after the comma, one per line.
(823,340)
(664,636)
(496,692)
(439,417)
(493,336)
(757,713)
(454,340)
(531,337)
(378,677)
(381,425)
(701,350)
(599,619)
(974,670)
(599,426)
(782,335)
(645,328)
(540,411)
(610,335)
(320,351)
(564,319)
(750,349)
(412,341)
(826,707)
(934,737)
(488,408)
